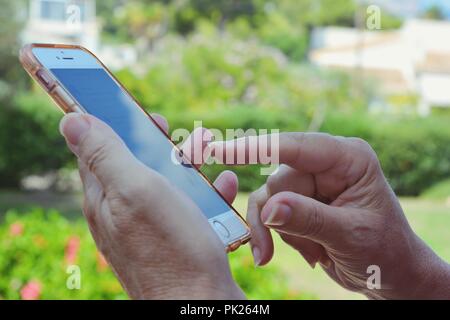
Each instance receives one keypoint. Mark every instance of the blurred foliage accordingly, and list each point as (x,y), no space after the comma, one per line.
(231,64)
(414,152)
(434,12)
(206,72)
(30,142)
(283,24)
(37,247)
(12,76)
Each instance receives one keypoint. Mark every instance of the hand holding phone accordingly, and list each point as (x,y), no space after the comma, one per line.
(138,220)
(78,82)
(161,225)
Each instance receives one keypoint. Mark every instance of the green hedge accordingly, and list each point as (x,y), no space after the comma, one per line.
(37,247)
(414,152)
(30,142)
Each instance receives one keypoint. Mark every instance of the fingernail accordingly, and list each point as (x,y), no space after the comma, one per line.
(256,256)
(73,126)
(279,215)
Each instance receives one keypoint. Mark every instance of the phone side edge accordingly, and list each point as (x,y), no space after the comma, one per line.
(33,67)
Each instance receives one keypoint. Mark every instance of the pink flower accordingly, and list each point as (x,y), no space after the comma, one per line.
(72,247)
(102,264)
(31,291)
(16,229)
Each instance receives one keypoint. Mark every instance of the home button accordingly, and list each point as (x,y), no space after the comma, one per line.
(221,229)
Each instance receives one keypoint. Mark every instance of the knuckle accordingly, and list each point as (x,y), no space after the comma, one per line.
(359,142)
(363,234)
(361,244)
(295,137)
(337,143)
(97,154)
(365,149)
(361,145)
(135,197)
(315,222)
(89,213)
(87,209)
(134,193)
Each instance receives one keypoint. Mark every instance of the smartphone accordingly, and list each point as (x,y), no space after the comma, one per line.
(79,82)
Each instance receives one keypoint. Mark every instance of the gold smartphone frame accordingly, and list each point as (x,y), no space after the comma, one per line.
(67,104)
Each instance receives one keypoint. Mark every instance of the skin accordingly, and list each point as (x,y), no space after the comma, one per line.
(134,216)
(329,201)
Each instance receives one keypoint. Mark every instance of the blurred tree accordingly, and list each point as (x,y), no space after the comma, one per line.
(315,12)
(145,22)
(222,11)
(29,138)
(286,24)
(106,10)
(434,12)
(283,24)
(12,76)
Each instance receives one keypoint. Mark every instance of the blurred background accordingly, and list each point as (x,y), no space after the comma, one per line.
(379,70)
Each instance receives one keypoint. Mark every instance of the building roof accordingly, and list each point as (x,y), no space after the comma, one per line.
(396,58)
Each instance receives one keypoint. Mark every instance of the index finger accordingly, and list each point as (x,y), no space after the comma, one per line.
(309,152)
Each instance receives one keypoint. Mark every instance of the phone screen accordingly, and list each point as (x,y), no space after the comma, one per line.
(100,95)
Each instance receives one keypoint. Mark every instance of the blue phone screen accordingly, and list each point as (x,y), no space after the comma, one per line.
(102,97)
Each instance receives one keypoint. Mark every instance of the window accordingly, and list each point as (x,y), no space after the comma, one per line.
(53,10)
(56,10)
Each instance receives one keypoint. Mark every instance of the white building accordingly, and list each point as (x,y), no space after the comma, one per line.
(414,59)
(73,22)
(62,21)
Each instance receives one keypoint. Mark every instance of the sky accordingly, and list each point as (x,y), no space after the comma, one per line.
(412,8)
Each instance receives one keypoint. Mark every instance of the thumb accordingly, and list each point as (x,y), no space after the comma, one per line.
(295,214)
(98,147)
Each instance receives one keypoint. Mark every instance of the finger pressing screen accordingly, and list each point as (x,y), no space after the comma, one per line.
(309,152)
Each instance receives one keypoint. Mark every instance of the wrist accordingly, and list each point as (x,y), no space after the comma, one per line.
(201,287)
(433,281)
(425,276)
